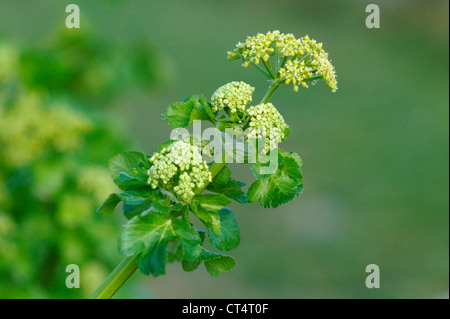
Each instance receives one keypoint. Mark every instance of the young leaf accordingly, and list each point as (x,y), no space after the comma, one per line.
(123,172)
(229,237)
(280,187)
(142,233)
(108,206)
(231,190)
(209,217)
(189,238)
(227,186)
(154,262)
(125,161)
(192,108)
(137,196)
(146,235)
(134,178)
(215,263)
(133,210)
(212,201)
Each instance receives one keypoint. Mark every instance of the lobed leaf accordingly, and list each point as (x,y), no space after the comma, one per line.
(147,236)
(193,108)
(229,237)
(215,263)
(280,187)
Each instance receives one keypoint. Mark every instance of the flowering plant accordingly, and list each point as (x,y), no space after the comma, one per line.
(189,174)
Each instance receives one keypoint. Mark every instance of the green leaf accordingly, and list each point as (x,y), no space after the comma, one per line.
(189,238)
(108,206)
(280,187)
(134,178)
(142,233)
(223,177)
(138,196)
(227,186)
(209,217)
(192,108)
(128,169)
(232,190)
(215,263)
(147,235)
(165,145)
(212,201)
(133,210)
(154,261)
(229,237)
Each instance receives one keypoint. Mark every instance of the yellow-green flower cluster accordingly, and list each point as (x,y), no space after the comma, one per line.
(179,168)
(298,60)
(235,96)
(313,63)
(266,122)
(29,129)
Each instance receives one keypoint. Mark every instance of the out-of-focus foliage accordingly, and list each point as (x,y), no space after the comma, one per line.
(54,149)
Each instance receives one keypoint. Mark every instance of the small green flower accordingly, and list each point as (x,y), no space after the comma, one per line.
(266,122)
(233,97)
(179,168)
(297,61)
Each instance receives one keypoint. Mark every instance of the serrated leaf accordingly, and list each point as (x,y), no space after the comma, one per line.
(280,187)
(232,190)
(133,210)
(134,178)
(137,196)
(154,261)
(229,237)
(108,206)
(193,108)
(215,263)
(146,235)
(223,184)
(212,201)
(209,217)
(165,145)
(121,168)
(141,233)
(189,238)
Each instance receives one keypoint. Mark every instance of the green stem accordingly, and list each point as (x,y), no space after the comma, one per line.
(270,92)
(262,70)
(116,279)
(269,68)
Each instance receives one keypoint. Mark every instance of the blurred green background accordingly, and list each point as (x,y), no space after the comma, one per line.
(375,152)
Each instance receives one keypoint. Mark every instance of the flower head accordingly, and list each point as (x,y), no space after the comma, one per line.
(233,97)
(297,61)
(266,122)
(179,168)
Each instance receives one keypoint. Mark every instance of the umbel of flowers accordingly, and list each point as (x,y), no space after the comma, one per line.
(179,168)
(297,61)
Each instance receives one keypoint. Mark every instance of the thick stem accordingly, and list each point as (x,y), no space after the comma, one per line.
(115,279)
